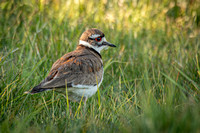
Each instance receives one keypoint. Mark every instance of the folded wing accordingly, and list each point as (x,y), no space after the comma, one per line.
(74,68)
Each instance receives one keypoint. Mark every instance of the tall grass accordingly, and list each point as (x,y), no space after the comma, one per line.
(151,80)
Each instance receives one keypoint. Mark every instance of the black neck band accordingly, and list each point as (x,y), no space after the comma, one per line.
(91,50)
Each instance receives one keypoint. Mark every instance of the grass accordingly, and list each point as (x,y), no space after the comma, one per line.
(151,80)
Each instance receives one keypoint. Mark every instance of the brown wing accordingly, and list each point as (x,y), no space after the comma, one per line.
(78,67)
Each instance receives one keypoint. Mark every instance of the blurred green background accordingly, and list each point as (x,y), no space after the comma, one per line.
(151,80)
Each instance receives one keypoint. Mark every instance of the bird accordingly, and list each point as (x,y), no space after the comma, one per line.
(80,71)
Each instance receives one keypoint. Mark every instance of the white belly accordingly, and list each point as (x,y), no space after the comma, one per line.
(86,90)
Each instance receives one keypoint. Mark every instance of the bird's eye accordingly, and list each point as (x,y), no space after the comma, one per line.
(98,39)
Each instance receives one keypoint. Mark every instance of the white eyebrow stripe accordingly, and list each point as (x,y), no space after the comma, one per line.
(95,36)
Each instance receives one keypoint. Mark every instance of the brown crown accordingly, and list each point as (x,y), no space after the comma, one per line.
(87,33)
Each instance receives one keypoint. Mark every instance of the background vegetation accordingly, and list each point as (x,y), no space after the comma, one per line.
(151,80)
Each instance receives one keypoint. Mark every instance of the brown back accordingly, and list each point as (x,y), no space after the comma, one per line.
(83,66)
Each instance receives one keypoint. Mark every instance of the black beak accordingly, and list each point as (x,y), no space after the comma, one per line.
(108,44)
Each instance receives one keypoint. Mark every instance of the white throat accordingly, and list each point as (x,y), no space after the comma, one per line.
(98,49)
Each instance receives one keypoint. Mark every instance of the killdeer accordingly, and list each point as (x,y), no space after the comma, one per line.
(81,70)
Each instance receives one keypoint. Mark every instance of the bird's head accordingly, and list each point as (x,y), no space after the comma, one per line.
(94,38)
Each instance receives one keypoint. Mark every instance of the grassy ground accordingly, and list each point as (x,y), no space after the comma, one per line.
(151,80)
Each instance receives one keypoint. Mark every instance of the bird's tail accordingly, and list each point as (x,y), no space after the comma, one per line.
(36,89)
